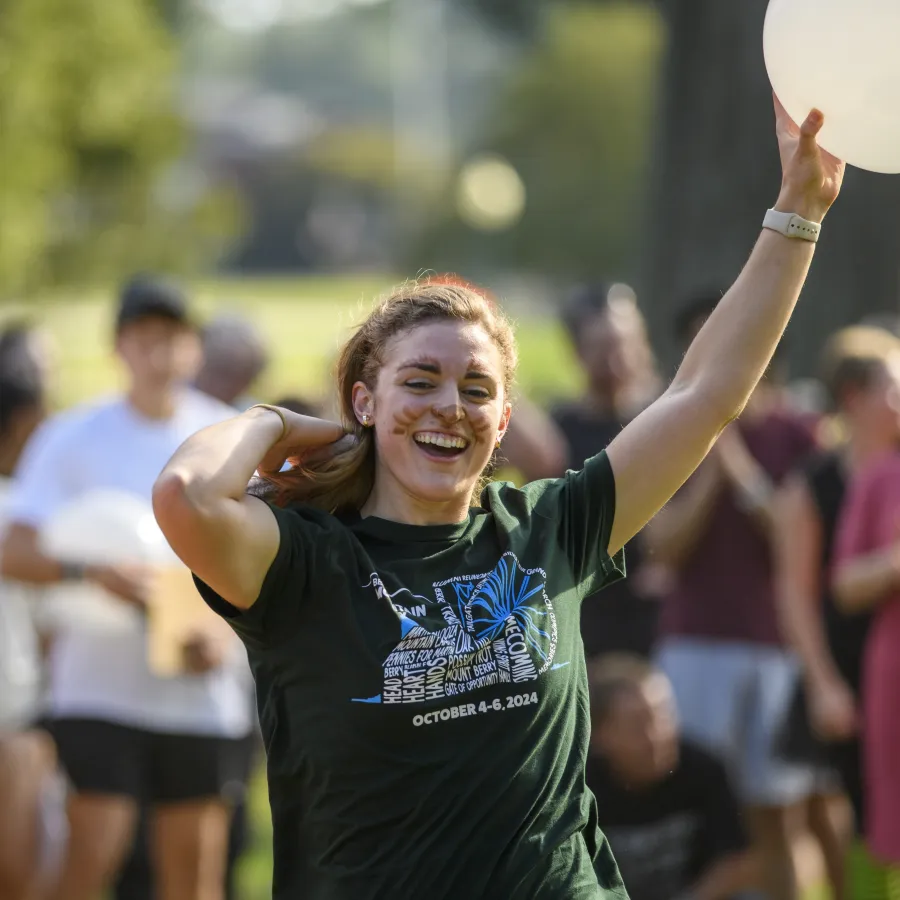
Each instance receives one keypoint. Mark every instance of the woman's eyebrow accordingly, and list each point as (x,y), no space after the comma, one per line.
(424,365)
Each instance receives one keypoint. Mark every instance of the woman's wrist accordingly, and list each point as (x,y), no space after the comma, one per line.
(272,416)
(792,201)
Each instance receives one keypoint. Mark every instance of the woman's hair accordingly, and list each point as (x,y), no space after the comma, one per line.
(345,481)
(854,358)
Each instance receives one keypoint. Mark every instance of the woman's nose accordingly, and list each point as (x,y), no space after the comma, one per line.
(450,411)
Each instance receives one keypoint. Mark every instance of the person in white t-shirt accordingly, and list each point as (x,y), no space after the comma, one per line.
(124,735)
(32,813)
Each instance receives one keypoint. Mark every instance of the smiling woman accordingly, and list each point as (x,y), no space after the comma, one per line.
(415,640)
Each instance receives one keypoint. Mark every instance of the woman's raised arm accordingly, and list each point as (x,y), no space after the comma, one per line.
(654,455)
(228,538)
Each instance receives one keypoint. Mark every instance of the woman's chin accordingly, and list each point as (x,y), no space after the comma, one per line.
(440,489)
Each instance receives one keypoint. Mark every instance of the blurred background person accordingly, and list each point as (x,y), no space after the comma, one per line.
(609,337)
(32,795)
(124,735)
(235,356)
(867,577)
(861,370)
(664,802)
(720,642)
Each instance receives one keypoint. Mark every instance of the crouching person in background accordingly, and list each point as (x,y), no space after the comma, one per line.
(665,804)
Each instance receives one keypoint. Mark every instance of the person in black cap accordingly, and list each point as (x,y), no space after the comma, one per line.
(125,736)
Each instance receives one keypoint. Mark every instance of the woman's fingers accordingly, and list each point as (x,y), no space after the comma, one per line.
(810,128)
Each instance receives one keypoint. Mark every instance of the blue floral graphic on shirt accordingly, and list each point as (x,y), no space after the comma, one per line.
(508,593)
(498,627)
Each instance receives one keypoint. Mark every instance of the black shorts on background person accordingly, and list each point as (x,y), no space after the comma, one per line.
(665,804)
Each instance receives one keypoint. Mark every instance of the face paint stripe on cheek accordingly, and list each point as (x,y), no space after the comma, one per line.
(403,419)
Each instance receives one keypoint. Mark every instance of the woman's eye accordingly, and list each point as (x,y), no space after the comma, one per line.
(418,385)
(478,393)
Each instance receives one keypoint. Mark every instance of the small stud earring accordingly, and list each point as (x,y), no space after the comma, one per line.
(498,442)
(365,420)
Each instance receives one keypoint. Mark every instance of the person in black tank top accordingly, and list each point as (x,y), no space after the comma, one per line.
(861,368)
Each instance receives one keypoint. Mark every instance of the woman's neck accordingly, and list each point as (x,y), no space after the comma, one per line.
(389,500)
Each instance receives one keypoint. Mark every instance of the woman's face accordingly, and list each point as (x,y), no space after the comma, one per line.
(438,408)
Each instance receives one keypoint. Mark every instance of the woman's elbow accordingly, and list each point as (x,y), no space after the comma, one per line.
(719,399)
(175,502)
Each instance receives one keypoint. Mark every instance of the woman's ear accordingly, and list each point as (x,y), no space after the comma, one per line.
(363,404)
(504,420)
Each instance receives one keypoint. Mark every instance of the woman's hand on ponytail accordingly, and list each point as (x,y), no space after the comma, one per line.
(304,439)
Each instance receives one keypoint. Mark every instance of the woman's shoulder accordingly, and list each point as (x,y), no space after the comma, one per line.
(545,494)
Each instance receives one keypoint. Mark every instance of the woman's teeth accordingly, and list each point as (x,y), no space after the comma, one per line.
(441,440)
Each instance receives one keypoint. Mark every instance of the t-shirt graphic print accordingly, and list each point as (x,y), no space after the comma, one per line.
(496,628)
(423,698)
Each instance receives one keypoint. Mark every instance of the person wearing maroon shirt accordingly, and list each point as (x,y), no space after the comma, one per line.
(719,638)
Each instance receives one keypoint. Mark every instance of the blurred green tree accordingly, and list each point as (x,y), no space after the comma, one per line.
(87,133)
(575,124)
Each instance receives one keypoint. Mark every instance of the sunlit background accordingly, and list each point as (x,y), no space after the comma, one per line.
(292,158)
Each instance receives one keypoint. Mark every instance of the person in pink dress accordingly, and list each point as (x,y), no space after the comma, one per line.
(867,575)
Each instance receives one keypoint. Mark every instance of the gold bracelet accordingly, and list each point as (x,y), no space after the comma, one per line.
(279,413)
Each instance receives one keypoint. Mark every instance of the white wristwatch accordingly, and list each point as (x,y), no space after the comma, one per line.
(792,225)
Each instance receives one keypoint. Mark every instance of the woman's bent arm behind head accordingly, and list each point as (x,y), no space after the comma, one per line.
(228,538)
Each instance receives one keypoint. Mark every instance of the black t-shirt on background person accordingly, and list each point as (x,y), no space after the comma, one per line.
(619,620)
(666,836)
(424,703)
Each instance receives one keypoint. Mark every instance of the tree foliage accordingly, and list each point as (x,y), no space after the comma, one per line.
(87,128)
(575,122)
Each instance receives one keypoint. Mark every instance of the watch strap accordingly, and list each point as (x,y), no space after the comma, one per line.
(791,225)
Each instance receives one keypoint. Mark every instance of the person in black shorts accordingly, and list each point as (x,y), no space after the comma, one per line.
(415,639)
(126,735)
(861,370)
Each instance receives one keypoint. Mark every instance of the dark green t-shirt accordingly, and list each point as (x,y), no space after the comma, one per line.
(423,699)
